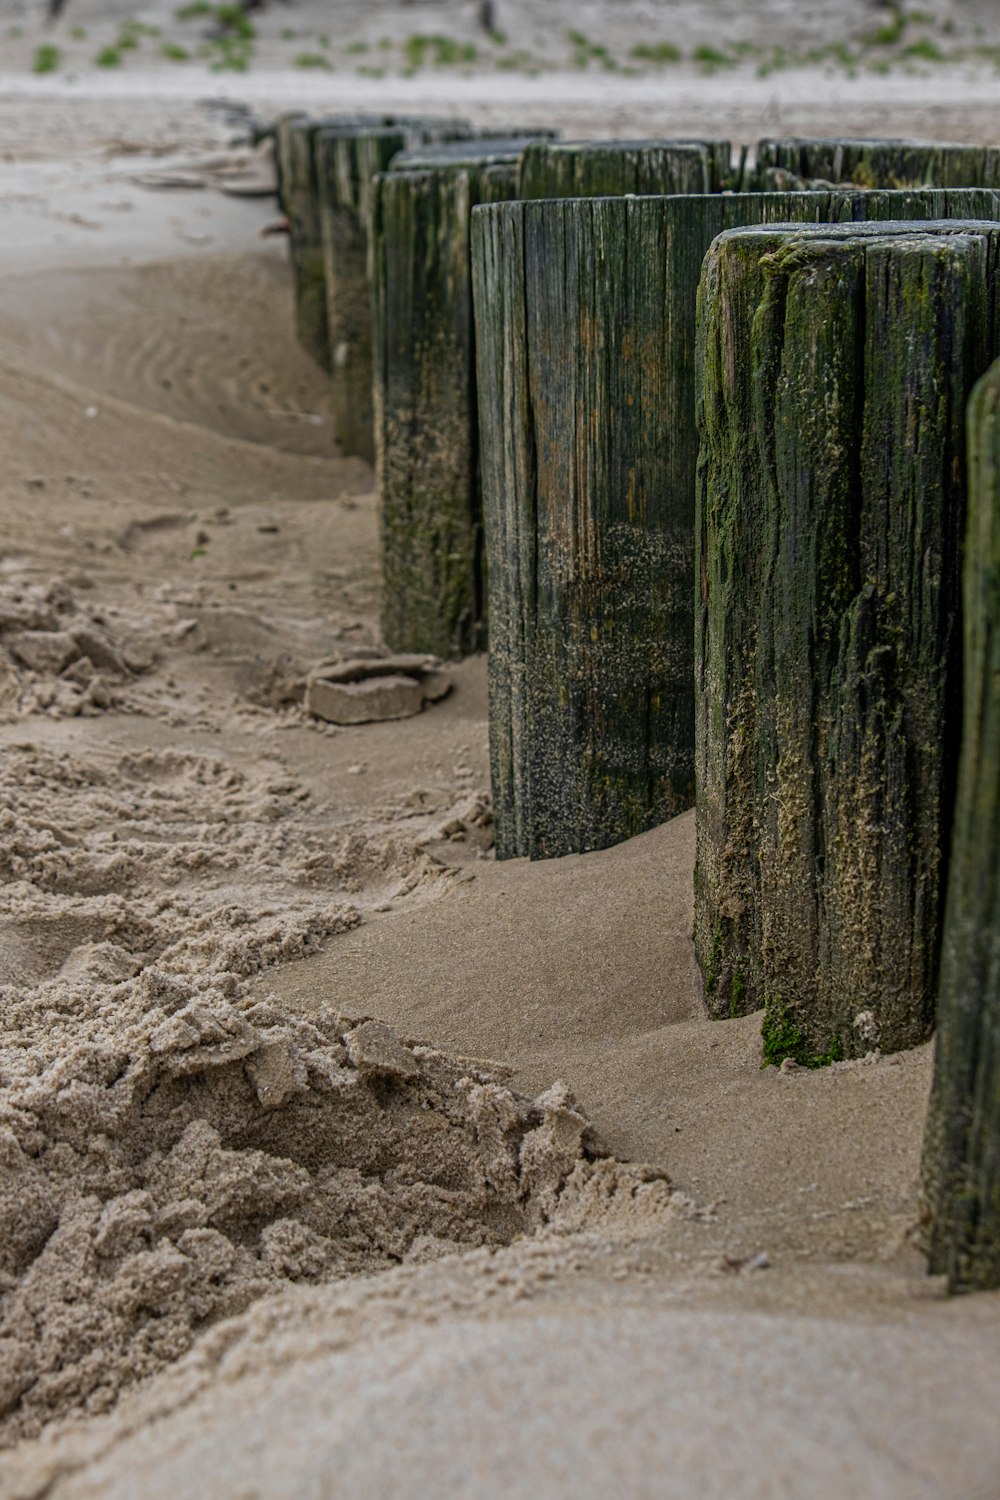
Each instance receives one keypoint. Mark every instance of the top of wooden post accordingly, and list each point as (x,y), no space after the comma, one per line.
(456,155)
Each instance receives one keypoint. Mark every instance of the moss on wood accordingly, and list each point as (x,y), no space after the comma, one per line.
(835,365)
(304,183)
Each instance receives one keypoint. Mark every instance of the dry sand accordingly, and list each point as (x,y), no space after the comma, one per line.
(265,1229)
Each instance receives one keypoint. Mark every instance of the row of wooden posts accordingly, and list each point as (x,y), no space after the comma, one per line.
(709,448)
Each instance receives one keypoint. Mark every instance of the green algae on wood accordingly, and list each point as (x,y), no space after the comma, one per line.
(594,169)
(835,365)
(585,317)
(794,161)
(426,437)
(961,1166)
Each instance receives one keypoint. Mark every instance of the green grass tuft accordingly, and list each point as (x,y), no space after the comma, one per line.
(236,21)
(174,52)
(47,58)
(926,49)
(311,60)
(439,51)
(108,57)
(656,52)
(711,57)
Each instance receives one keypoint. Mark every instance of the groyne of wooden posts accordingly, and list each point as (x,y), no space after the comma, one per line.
(589,454)
(715,441)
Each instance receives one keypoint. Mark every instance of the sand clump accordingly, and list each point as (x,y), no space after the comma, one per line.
(172,1151)
(56,658)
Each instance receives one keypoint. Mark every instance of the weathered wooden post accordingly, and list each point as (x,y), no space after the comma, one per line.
(835,367)
(794,161)
(346,162)
(282,152)
(295,142)
(594,169)
(427,451)
(348,157)
(962,1144)
(588,454)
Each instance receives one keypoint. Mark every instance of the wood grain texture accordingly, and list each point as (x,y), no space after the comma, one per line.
(835,366)
(585,319)
(795,161)
(962,1144)
(426,435)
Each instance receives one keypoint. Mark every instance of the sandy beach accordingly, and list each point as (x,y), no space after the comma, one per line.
(336,1157)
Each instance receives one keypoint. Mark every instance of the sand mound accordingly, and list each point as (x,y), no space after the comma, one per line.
(174,1147)
(171,1152)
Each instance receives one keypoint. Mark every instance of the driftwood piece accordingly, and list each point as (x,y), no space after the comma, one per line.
(585,317)
(835,367)
(962,1144)
(427,458)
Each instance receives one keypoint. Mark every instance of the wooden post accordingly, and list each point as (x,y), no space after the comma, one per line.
(282,154)
(295,138)
(585,329)
(346,162)
(348,157)
(427,452)
(593,169)
(783,163)
(962,1143)
(835,367)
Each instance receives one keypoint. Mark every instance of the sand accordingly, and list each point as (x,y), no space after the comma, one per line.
(335,1157)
